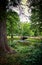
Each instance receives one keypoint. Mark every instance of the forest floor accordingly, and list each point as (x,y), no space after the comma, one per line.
(28,53)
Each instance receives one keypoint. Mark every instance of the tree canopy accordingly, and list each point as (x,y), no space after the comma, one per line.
(36,10)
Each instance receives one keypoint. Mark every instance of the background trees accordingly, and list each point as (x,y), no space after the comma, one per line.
(12,22)
(26,29)
(36,17)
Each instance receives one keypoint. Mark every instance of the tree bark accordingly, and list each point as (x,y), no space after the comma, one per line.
(3,37)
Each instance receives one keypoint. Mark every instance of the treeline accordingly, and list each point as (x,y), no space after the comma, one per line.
(15,27)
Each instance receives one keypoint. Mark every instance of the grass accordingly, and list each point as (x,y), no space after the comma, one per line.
(26,54)
(37,40)
(25,47)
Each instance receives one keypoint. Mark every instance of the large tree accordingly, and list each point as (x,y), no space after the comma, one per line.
(4,4)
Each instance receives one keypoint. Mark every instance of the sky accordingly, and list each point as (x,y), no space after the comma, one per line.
(23,11)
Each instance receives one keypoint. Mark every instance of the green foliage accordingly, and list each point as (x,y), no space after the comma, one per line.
(12,23)
(15,27)
(26,55)
(29,55)
(35,23)
(26,29)
(36,16)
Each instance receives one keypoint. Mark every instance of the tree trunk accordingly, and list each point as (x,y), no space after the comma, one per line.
(11,37)
(3,37)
